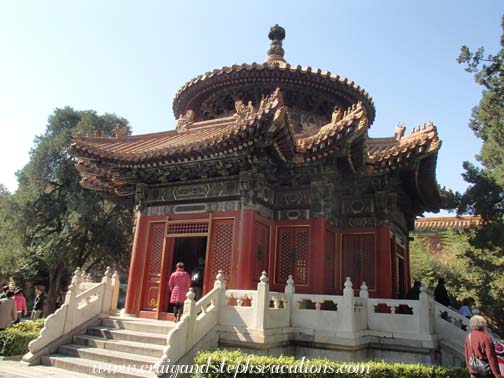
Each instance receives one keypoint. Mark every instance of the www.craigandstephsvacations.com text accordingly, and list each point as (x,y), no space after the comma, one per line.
(237,368)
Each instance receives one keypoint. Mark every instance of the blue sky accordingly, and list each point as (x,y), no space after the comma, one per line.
(131,57)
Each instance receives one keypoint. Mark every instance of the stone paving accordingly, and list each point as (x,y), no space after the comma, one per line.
(15,369)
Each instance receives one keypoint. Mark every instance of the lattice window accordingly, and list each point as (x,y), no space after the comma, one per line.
(359,259)
(188,228)
(302,251)
(284,251)
(156,247)
(221,247)
(293,248)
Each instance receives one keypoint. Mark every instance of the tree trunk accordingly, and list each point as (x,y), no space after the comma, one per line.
(54,289)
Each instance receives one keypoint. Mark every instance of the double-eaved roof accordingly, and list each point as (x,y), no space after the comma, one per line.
(247,112)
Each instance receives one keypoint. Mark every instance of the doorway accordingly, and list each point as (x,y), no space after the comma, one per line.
(192,252)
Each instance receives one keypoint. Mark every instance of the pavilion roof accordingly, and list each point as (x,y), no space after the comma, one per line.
(445,223)
(101,158)
(218,133)
(397,151)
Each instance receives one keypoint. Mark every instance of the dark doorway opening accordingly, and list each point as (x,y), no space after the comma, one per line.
(192,252)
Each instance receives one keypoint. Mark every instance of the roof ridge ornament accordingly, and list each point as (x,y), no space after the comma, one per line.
(400,130)
(276,52)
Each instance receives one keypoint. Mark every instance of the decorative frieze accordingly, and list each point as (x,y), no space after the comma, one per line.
(357,206)
(292,198)
(293,214)
(192,192)
(359,222)
(204,207)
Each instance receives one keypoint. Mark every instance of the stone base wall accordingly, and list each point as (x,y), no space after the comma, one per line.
(373,352)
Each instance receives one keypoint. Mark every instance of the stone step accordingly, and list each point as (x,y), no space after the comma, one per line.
(151,326)
(127,335)
(104,356)
(145,349)
(86,366)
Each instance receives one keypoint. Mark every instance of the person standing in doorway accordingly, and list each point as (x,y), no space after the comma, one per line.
(197,275)
(179,284)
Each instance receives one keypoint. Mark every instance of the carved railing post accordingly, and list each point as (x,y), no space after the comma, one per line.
(116,286)
(71,300)
(83,277)
(290,290)
(347,306)
(219,283)
(364,295)
(425,313)
(190,313)
(107,293)
(263,300)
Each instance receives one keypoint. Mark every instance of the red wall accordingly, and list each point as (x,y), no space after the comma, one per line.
(243,244)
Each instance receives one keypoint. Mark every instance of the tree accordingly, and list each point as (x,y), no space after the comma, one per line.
(10,241)
(485,195)
(451,263)
(62,225)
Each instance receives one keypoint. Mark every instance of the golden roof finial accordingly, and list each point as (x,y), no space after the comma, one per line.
(276,52)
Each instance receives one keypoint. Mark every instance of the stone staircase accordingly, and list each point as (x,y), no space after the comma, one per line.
(118,347)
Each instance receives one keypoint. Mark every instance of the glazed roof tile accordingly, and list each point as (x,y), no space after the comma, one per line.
(397,151)
(215,136)
(207,137)
(445,223)
(199,138)
(268,66)
(100,157)
(292,74)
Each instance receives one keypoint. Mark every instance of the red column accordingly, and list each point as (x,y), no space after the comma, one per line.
(383,263)
(317,256)
(244,261)
(135,276)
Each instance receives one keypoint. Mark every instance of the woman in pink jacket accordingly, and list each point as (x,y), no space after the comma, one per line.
(179,284)
(20,300)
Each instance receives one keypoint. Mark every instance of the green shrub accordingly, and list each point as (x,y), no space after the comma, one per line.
(220,360)
(14,340)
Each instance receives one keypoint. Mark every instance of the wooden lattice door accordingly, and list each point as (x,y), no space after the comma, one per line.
(221,250)
(152,275)
(359,259)
(292,252)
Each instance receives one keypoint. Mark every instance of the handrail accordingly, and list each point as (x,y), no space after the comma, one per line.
(77,310)
(185,331)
